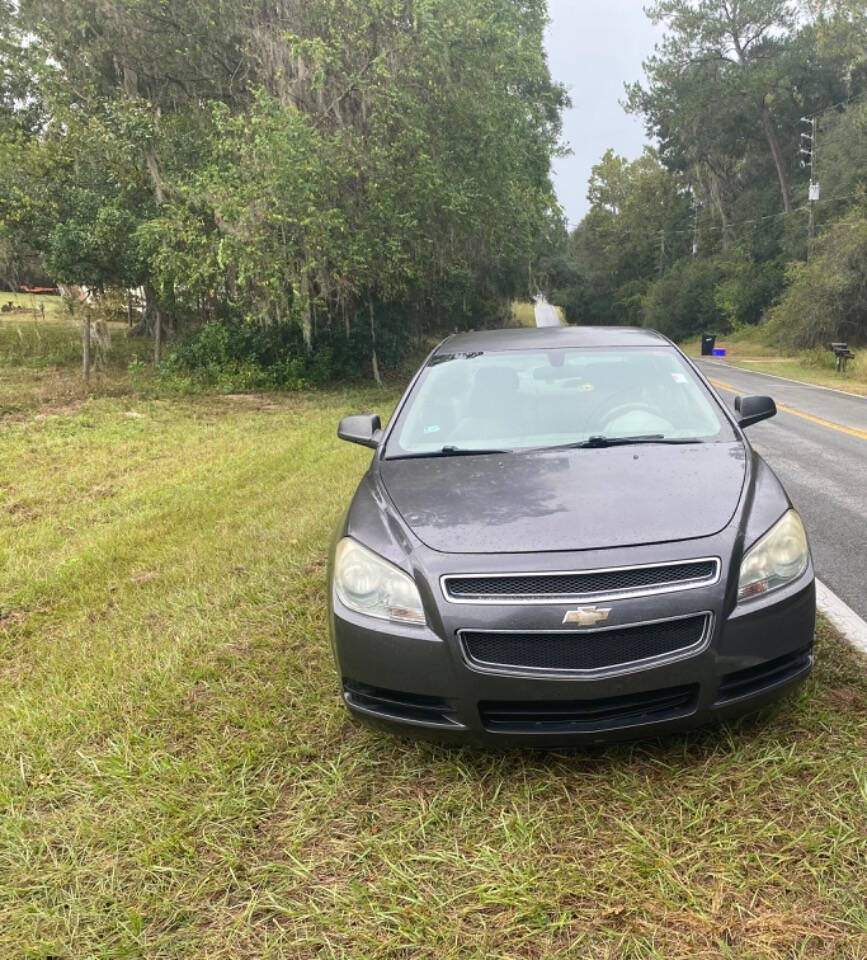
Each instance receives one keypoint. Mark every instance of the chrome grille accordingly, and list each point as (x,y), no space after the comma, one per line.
(578,586)
(612,649)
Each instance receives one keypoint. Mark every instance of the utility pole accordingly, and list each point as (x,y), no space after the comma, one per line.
(811,138)
(661,252)
(695,205)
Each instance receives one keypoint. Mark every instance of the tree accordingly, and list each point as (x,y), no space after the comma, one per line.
(719,53)
(322,163)
(724,97)
(682,303)
(826,299)
(639,221)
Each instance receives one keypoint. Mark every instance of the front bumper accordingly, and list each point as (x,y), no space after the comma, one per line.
(417,680)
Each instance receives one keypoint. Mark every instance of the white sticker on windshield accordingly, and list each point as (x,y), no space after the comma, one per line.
(678,378)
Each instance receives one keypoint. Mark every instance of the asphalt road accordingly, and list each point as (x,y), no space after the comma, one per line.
(817,446)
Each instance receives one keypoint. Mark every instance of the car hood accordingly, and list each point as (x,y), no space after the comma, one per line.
(581,499)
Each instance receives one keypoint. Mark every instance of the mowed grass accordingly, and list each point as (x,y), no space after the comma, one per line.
(178,777)
(750,348)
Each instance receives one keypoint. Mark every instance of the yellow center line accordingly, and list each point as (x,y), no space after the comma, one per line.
(851,431)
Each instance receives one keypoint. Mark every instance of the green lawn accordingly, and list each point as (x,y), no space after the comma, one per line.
(178,778)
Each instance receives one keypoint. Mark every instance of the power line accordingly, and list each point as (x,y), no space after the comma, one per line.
(654,234)
(849,101)
(810,118)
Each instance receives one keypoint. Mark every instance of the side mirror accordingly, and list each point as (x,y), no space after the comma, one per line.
(363,428)
(753,409)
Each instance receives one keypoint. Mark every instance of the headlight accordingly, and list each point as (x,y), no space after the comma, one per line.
(778,558)
(368,584)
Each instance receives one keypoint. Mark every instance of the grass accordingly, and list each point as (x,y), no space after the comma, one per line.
(750,349)
(178,778)
(32,302)
(29,342)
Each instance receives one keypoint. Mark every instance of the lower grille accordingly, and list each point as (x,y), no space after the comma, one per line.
(396,705)
(588,716)
(586,650)
(752,680)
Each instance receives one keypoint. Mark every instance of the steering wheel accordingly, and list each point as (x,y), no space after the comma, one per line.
(623,408)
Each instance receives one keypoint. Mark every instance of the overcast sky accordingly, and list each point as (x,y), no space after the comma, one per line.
(594,47)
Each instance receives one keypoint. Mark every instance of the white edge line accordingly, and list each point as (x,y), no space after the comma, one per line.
(842,616)
(776,376)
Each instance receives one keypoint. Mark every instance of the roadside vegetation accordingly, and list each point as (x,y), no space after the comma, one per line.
(309,188)
(709,231)
(178,777)
(753,349)
(302,192)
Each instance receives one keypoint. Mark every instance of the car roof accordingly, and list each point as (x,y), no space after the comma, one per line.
(547,338)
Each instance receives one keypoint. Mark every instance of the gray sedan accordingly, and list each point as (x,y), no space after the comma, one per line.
(564,535)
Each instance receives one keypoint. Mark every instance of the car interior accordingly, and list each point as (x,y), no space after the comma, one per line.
(529,400)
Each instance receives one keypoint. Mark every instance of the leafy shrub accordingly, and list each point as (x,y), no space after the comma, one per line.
(683,302)
(826,298)
(747,289)
(236,354)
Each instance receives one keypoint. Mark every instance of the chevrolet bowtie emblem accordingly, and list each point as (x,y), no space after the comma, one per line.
(587,616)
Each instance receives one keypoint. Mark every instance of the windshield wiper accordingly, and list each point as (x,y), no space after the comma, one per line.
(447,451)
(598,442)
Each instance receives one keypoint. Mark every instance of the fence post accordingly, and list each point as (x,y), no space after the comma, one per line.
(85,339)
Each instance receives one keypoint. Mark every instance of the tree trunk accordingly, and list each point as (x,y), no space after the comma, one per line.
(717,197)
(158,337)
(153,167)
(374,361)
(777,153)
(306,323)
(145,325)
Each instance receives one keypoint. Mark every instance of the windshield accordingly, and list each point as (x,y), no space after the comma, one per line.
(517,400)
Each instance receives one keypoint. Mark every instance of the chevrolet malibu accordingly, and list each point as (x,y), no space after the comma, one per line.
(565,536)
